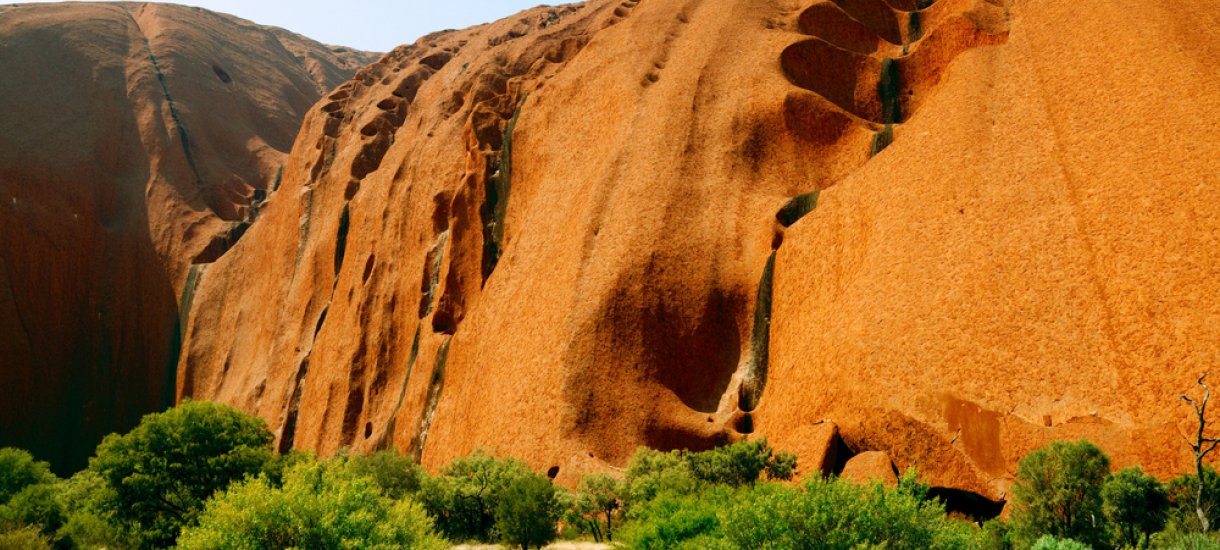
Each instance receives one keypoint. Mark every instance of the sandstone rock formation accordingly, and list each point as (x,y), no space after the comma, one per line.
(135,140)
(956,230)
(870,467)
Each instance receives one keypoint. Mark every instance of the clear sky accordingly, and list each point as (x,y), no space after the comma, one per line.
(373,25)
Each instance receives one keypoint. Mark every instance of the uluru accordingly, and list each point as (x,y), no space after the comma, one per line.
(882,234)
(137,140)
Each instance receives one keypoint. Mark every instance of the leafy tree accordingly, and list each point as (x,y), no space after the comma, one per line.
(740,463)
(28,497)
(1058,492)
(1048,542)
(463,499)
(35,506)
(1201,446)
(19,470)
(1136,503)
(25,538)
(651,472)
(527,511)
(602,494)
(319,506)
(782,466)
(682,521)
(397,475)
(279,464)
(1187,541)
(160,474)
(1183,491)
(88,525)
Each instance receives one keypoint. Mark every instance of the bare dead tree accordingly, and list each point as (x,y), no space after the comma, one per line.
(1201,445)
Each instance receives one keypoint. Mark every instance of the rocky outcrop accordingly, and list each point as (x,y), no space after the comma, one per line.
(954,230)
(136,140)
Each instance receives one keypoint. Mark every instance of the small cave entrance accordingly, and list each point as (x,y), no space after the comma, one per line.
(552,472)
(837,455)
(745,424)
(968,505)
(222,75)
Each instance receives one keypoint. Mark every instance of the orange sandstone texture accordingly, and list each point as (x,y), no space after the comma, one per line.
(572,232)
(869,467)
(135,140)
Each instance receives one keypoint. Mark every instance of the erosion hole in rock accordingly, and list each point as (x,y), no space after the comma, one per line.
(745,424)
(222,75)
(341,238)
(967,504)
(843,77)
(876,15)
(437,60)
(829,22)
(696,356)
(552,472)
(368,430)
(371,129)
(368,268)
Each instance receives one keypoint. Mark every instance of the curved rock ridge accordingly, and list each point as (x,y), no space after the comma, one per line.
(137,139)
(940,233)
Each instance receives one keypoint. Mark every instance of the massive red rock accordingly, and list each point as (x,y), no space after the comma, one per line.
(587,228)
(135,140)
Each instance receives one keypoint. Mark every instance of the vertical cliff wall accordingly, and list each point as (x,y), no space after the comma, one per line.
(948,231)
(136,140)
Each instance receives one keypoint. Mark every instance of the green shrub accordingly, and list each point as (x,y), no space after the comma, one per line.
(319,506)
(598,494)
(1048,542)
(398,476)
(88,525)
(279,464)
(527,512)
(1182,515)
(1136,504)
(35,506)
(651,473)
(739,464)
(673,520)
(1186,541)
(834,514)
(24,538)
(19,470)
(160,474)
(462,500)
(1058,493)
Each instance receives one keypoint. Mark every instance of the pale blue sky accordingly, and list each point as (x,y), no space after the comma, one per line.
(374,25)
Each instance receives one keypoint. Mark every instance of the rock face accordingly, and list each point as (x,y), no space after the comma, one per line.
(136,139)
(954,230)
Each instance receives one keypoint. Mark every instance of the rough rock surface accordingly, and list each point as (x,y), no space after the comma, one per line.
(587,228)
(871,466)
(135,140)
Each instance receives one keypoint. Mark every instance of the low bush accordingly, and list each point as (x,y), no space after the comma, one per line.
(319,506)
